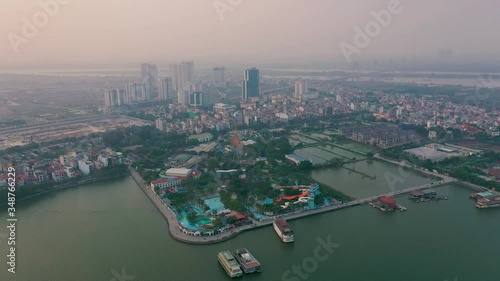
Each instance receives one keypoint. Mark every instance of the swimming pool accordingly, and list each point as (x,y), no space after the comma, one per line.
(183,220)
(257,215)
(214,204)
(267,201)
(198,210)
(204,221)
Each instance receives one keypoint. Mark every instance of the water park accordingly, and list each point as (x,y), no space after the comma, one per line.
(211,218)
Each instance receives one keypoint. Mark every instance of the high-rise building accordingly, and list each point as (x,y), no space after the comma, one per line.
(114,98)
(196,99)
(184,94)
(300,89)
(175,73)
(188,71)
(183,97)
(181,74)
(219,75)
(136,92)
(251,83)
(149,77)
(165,89)
(108,99)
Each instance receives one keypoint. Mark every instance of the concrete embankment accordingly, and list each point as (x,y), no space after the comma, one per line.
(171,218)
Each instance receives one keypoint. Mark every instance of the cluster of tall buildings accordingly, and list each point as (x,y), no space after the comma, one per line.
(133,93)
(137,92)
(180,87)
(115,97)
(183,81)
(153,85)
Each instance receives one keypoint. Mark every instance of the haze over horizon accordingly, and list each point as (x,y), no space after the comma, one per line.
(113,32)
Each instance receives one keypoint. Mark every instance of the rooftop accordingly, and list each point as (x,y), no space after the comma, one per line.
(297,157)
(427,153)
(178,172)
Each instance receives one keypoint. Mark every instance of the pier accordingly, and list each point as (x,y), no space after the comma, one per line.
(361,173)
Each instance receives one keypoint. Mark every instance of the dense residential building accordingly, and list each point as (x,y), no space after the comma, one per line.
(181,74)
(188,71)
(176,74)
(114,98)
(300,89)
(165,91)
(381,135)
(136,92)
(251,84)
(222,107)
(196,99)
(149,77)
(161,124)
(219,75)
(85,166)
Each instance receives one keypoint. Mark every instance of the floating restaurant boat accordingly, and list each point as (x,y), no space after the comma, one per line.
(283,230)
(229,263)
(485,203)
(247,262)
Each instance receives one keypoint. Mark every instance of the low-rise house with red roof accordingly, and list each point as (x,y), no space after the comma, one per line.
(58,175)
(494,172)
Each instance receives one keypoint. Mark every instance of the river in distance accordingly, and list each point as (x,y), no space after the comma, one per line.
(110,231)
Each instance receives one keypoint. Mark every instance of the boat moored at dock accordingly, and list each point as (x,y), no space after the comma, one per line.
(247,262)
(283,230)
(229,263)
(488,203)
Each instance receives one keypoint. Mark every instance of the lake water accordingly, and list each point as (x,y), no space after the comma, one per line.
(98,231)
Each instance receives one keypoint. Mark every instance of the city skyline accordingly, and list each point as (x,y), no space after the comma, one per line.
(189,140)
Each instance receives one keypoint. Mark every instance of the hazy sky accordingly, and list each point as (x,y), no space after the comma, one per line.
(108,32)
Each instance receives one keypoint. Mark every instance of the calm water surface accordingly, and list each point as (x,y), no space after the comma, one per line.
(90,232)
